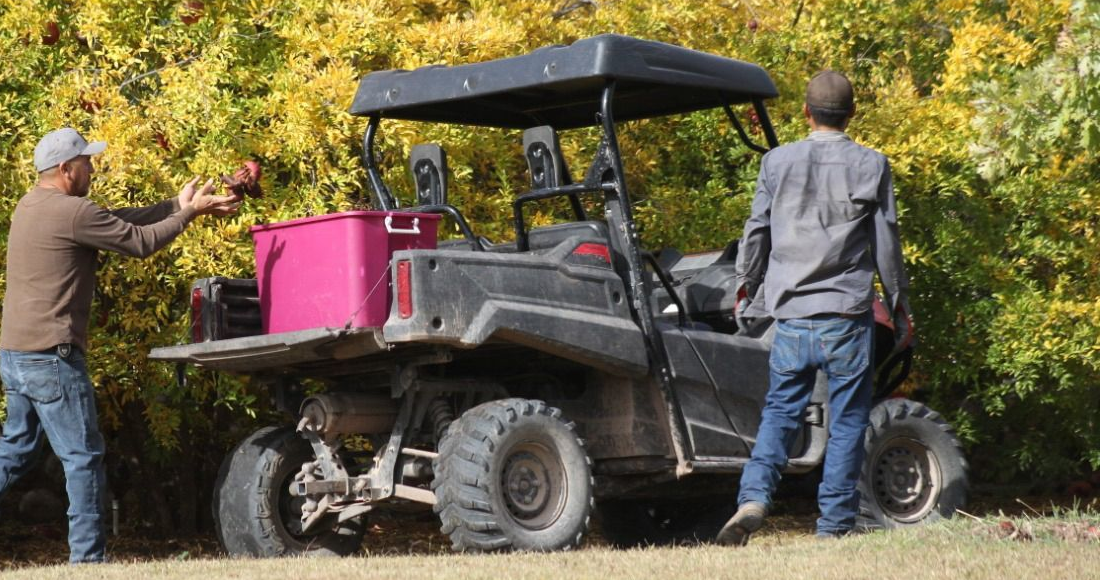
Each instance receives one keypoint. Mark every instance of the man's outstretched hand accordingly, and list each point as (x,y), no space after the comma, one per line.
(204,202)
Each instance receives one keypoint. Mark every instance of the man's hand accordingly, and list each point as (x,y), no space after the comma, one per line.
(741,305)
(903,326)
(203,202)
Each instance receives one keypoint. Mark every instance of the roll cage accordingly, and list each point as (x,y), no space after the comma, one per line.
(593,82)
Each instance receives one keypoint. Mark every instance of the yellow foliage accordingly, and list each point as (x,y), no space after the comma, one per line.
(980,48)
(272,80)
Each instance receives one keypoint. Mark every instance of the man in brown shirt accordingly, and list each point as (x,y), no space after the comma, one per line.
(56,233)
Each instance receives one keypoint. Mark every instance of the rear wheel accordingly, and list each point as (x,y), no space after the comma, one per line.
(914,470)
(512,474)
(254,512)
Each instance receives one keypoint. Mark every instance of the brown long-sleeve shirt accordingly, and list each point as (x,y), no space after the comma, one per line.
(52,248)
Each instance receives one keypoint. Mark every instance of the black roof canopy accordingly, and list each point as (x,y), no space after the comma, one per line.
(562,85)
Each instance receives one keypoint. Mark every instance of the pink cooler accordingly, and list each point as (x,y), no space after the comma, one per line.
(333,270)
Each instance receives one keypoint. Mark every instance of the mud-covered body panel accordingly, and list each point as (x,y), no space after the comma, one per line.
(577,312)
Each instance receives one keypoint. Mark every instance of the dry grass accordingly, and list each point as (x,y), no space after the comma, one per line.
(959,549)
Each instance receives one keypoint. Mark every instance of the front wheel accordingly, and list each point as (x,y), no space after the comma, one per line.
(512,474)
(914,470)
(254,512)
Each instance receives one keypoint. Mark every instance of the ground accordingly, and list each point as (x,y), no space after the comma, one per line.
(958,549)
(1007,534)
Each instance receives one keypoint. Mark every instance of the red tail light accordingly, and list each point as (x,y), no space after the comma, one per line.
(404,289)
(196,315)
(590,249)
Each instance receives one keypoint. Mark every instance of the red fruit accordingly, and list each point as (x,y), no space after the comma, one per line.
(753,24)
(192,11)
(254,169)
(244,181)
(163,141)
(51,34)
(754,121)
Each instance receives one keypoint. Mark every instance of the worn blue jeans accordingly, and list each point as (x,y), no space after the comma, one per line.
(842,348)
(49,393)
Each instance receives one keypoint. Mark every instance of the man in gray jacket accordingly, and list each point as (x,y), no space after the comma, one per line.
(56,233)
(823,220)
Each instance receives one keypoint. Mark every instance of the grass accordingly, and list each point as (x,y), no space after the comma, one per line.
(977,549)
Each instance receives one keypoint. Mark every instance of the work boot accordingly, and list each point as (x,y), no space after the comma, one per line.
(748,519)
(831,535)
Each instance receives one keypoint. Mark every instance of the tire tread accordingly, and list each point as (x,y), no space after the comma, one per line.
(462,480)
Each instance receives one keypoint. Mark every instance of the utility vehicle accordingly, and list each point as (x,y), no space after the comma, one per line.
(523,387)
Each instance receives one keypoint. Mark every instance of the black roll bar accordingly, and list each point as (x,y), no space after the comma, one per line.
(741,130)
(463,225)
(620,218)
(384,198)
(765,123)
(382,195)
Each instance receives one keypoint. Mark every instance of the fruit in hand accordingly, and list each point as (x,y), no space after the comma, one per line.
(244,181)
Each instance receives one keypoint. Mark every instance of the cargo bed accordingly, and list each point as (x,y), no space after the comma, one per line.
(272,352)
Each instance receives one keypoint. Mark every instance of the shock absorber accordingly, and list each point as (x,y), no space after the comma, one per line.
(441,415)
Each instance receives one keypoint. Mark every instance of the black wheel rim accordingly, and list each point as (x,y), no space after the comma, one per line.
(907,479)
(533,484)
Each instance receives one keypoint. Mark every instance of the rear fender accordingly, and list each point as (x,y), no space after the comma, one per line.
(575,311)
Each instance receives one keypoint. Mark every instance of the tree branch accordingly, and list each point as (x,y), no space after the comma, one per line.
(565,10)
(148,74)
(798,13)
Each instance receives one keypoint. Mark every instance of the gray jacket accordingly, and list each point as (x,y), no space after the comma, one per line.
(823,219)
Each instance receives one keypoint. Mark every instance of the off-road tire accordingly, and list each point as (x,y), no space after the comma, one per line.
(253,506)
(512,474)
(914,471)
(631,523)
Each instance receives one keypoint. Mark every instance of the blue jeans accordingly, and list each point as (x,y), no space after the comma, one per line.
(841,348)
(51,394)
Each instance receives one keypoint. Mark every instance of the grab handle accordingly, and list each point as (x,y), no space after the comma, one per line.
(414,230)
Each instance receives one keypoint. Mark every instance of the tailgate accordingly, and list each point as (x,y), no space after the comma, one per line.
(269,352)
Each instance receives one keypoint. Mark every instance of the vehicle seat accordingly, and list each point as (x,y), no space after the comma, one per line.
(428,164)
(547,237)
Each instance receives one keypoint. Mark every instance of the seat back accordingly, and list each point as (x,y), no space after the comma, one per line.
(428,163)
(544,158)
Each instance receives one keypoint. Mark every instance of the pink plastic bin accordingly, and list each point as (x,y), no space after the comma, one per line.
(333,270)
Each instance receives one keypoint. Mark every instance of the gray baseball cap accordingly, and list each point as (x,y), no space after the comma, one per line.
(830,90)
(62,145)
